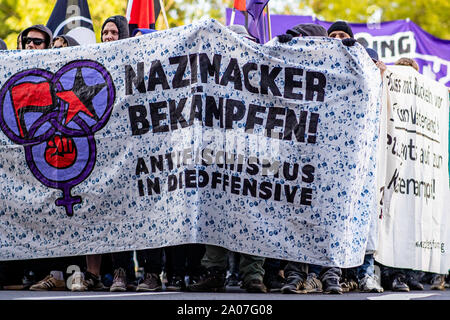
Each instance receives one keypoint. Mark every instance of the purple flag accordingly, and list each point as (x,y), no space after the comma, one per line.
(256,21)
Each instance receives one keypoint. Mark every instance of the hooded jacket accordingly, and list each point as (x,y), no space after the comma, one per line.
(40,27)
(71,42)
(143,30)
(122,25)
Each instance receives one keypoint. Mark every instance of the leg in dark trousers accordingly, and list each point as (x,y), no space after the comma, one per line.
(123,270)
(234,277)
(195,253)
(272,277)
(152,262)
(176,267)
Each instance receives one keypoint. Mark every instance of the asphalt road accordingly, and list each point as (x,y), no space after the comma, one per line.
(232,293)
(234,304)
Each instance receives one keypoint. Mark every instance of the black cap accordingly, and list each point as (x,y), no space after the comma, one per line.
(40,27)
(341,26)
(307,30)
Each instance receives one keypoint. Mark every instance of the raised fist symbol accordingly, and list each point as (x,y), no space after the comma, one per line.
(55,116)
(60,152)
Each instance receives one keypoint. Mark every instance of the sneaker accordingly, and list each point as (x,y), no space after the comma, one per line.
(294,283)
(151,282)
(212,281)
(398,284)
(176,283)
(331,285)
(232,280)
(349,285)
(49,284)
(438,282)
(255,286)
(370,284)
(90,282)
(120,281)
(274,283)
(312,284)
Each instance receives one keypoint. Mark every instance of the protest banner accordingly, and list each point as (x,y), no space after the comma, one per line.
(189,135)
(414,221)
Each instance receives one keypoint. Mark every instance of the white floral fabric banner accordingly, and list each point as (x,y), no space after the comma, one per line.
(189,135)
(414,222)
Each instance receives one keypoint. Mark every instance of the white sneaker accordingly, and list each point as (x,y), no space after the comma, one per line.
(78,282)
(370,284)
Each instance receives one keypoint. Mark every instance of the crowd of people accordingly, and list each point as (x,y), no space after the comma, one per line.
(198,267)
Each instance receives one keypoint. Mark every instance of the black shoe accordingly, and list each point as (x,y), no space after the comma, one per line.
(294,283)
(255,286)
(176,283)
(232,280)
(193,280)
(274,283)
(331,285)
(398,284)
(28,279)
(212,281)
(414,284)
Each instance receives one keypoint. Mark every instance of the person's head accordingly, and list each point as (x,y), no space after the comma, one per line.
(3,45)
(340,30)
(115,28)
(303,30)
(142,31)
(19,41)
(36,37)
(407,62)
(240,29)
(307,30)
(64,41)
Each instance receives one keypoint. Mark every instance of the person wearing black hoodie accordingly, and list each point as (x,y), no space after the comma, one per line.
(63,41)
(36,37)
(115,28)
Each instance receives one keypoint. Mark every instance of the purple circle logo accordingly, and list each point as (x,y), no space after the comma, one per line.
(55,117)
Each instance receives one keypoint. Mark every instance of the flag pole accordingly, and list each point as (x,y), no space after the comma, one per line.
(268,21)
(164,13)
(233,14)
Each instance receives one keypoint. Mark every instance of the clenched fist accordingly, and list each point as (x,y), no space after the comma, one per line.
(60,152)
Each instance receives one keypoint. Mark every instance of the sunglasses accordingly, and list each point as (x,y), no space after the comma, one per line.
(36,41)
